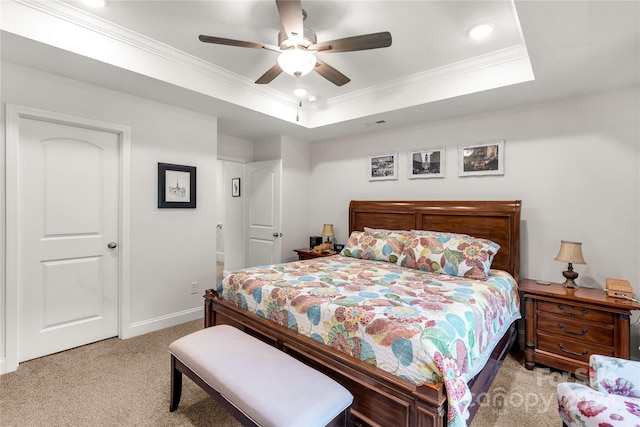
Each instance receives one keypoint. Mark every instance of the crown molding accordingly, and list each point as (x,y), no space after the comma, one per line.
(67,27)
(72,15)
(425,78)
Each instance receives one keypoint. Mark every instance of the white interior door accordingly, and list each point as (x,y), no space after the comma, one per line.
(68,228)
(262,212)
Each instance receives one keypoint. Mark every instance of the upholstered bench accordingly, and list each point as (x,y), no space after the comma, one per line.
(257,383)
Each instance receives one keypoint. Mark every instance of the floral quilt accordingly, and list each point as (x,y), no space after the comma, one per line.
(420,326)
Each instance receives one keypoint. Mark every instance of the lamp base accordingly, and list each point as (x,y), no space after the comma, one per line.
(571,276)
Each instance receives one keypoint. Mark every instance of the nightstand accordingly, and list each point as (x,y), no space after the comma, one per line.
(310,254)
(564,327)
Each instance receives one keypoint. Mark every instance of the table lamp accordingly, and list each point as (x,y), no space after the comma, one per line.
(327,231)
(570,252)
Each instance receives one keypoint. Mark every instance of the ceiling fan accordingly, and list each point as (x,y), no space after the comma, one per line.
(298,45)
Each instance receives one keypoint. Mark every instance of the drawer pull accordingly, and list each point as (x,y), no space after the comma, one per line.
(572,313)
(584,330)
(584,352)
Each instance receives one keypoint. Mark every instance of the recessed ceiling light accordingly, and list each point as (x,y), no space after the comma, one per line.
(94,3)
(480,31)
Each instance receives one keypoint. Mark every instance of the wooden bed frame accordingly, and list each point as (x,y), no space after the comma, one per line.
(380,398)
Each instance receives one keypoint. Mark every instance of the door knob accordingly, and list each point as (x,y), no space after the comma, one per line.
(277,234)
(112,245)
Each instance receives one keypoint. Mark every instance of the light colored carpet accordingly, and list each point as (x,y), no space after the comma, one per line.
(126,383)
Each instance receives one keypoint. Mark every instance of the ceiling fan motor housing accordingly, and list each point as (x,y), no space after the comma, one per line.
(309,38)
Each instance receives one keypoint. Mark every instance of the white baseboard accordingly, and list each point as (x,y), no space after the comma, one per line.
(146,326)
(150,325)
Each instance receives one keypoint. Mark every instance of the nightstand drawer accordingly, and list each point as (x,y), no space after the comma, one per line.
(575,312)
(573,349)
(575,328)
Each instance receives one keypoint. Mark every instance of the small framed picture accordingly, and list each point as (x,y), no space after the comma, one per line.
(486,158)
(426,163)
(235,187)
(176,186)
(383,166)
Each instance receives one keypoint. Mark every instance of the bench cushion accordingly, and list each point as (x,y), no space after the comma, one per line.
(269,386)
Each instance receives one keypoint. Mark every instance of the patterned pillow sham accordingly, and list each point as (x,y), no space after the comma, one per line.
(437,233)
(456,256)
(384,245)
(394,233)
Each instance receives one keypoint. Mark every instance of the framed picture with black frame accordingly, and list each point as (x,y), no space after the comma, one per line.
(235,187)
(176,186)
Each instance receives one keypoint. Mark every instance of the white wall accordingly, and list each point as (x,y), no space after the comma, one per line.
(234,152)
(233,226)
(170,248)
(238,149)
(297,200)
(220,211)
(267,149)
(573,163)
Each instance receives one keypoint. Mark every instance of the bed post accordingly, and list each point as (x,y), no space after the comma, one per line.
(209,313)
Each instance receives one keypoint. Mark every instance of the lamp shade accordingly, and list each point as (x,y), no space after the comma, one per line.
(297,62)
(570,252)
(327,230)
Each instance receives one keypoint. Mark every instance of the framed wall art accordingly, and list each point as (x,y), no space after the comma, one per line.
(235,187)
(426,163)
(176,186)
(383,166)
(486,158)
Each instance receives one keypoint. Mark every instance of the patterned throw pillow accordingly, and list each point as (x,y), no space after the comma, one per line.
(453,255)
(383,245)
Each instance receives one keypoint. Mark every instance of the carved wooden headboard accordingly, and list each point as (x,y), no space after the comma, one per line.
(498,221)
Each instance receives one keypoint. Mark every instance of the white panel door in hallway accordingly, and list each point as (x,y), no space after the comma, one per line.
(262,210)
(68,228)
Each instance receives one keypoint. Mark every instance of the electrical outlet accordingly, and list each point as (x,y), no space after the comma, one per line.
(194,287)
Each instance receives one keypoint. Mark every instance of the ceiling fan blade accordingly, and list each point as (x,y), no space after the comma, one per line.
(350,44)
(271,74)
(238,43)
(330,73)
(292,20)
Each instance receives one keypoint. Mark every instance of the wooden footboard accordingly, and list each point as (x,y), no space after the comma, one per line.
(380,399)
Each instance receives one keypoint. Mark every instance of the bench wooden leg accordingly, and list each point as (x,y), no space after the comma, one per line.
(176,385)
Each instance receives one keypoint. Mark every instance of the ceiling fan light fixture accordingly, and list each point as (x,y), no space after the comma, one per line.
(300,92)
(297,62)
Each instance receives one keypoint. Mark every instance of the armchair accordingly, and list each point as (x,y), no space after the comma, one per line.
(612,400)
